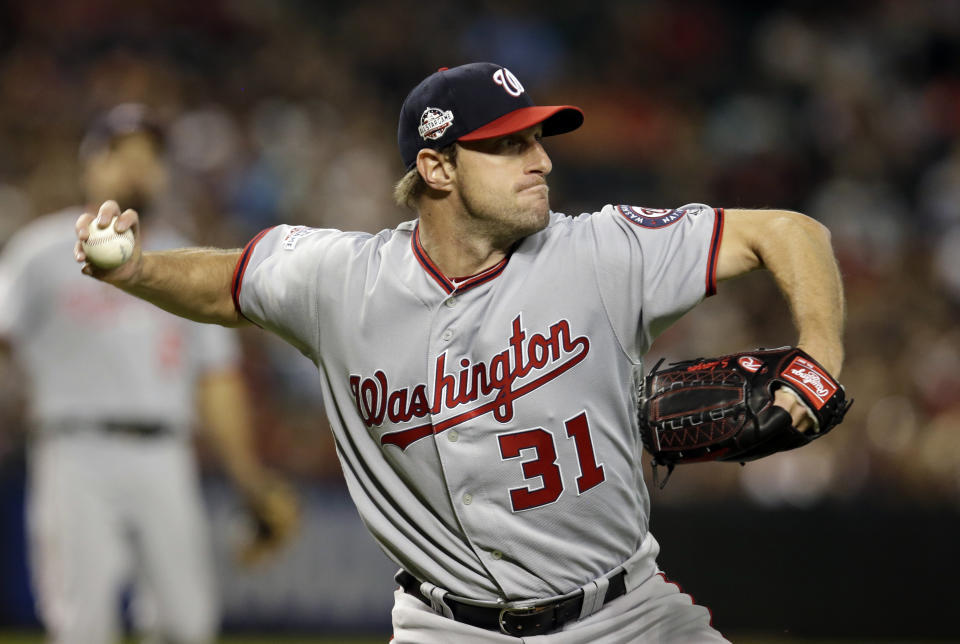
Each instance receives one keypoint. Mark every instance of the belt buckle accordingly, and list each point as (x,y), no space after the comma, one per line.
(528,611)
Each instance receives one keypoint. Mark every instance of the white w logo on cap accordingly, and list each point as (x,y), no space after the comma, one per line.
(505,78)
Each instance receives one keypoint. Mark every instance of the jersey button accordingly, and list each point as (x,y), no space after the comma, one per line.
(446,335)
(452,436)
(496,554)
(467,498)
(450,302)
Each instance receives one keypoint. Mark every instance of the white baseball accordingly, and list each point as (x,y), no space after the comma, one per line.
(105,247)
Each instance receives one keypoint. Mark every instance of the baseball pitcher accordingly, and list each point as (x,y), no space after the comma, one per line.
(481,364)
(114,385)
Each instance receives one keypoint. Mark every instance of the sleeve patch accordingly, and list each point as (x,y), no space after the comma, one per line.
(294,235)
(652,217)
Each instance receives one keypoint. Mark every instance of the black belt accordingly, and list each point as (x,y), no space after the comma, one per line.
(137,428)
(143,429)
(519,622)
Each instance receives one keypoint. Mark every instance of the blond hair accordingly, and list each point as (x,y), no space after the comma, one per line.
(407,191)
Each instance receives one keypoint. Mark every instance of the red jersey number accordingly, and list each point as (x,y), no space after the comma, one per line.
(544,466)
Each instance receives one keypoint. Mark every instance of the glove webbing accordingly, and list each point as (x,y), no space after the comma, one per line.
(751,417)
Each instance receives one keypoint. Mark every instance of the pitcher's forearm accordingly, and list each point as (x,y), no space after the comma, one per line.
(816,297)
(797,251)
(194,283)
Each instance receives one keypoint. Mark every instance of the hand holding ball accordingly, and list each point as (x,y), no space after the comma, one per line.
(105,247)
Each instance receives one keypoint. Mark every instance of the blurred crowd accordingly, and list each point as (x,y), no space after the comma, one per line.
(286,111)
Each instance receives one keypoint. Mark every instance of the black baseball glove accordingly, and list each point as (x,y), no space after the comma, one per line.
(721,409)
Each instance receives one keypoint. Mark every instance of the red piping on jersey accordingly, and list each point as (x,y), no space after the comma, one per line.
(461,284)
(241,268)
(692,600)
(714,252)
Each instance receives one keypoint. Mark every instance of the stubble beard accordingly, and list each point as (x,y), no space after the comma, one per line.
(502,221)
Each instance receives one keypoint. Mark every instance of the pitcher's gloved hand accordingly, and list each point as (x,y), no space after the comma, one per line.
(721,409)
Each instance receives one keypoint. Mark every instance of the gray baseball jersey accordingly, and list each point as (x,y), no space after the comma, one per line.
(487,425)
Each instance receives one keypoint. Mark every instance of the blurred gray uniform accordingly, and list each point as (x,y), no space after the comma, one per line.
(112,489)
(487,425)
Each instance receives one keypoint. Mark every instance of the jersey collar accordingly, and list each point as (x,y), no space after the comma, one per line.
(458,284)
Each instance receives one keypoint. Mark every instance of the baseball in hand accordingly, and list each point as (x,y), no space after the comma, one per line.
(105,247)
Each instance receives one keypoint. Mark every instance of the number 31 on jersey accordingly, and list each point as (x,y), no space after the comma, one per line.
(544,464)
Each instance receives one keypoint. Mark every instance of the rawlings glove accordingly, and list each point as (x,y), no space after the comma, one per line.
(721,409)
(274,515)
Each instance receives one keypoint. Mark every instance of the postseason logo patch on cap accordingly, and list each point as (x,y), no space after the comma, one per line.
(434,122)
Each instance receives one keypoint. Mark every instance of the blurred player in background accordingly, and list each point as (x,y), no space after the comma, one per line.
(113,497)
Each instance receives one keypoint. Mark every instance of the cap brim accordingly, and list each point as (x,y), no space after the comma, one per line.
(556,119)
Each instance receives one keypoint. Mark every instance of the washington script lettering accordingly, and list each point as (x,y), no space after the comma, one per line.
(546,356)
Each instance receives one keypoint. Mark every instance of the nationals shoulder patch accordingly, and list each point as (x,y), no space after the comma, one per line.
(651,217)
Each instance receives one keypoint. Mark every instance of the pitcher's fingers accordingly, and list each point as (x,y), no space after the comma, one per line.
(796,409)
(107,212)
(804,425)
(82,225)
(129,219)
